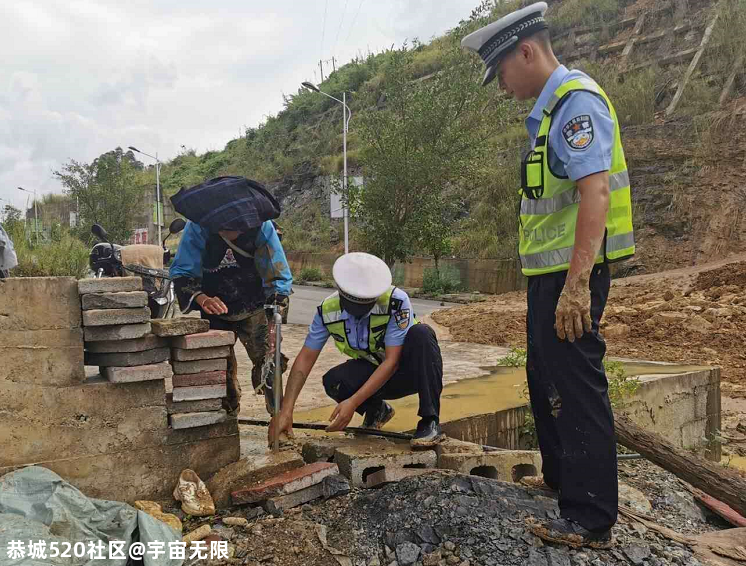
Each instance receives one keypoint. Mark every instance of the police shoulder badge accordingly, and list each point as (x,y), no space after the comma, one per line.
(578,132)
(402,318)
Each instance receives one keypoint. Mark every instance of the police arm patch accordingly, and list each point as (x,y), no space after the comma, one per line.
(402,318)
(578,132)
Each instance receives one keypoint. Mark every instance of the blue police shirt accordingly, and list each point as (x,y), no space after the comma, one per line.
(357,328)
(565,159)
(269,258)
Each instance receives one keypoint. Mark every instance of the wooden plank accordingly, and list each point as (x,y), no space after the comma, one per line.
(632,39)
(695,62)
(729,83)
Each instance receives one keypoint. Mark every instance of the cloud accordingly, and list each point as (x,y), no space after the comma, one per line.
(81,77)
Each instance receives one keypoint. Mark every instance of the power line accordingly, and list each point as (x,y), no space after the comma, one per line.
(344,11)
(352,25)
(323,31)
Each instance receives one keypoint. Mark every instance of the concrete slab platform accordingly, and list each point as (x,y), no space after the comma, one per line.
(194,420)
(198,393)
(147,342)
(192,379)
(179,326)
(110,317)
(191,406)
(128,359)
(110,285)
(137,373)
(116,332)
(209,339)
(181,355)
(200,366)
(126,300)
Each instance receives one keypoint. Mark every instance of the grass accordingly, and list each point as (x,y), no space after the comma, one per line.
(633,94)
(442,281)
(311,274)
(65,256)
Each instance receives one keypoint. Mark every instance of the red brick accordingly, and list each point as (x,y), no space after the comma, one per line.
(206,378)
(284,484)
(209,339)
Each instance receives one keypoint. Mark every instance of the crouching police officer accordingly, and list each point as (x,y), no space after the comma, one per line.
(392,354)
(576,217)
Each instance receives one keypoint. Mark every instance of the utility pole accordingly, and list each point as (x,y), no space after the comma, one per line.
(321,66)
(334,64)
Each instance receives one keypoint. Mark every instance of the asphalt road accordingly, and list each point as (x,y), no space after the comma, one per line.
(304,300)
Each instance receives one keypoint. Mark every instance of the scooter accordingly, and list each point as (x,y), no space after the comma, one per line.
(105,259)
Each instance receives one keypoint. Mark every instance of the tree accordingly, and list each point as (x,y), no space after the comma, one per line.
(12,219)
(422,151)
(108,191)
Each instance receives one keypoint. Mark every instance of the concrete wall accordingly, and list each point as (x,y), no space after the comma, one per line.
(110,440)
(484,275)
(684,408)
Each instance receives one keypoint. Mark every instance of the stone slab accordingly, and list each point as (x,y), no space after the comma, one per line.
(39,303)
(110,285)
(249,471)
(137,373)
(116,332)
(276,504)
(174,408)
(39,423)
(209,339)
(286,483)
(199,392)
(126,300)
(128,359)
(220,430)
(323,449)
(505,465)
(192,379)
(194,420)
(393,475)
(356,463)
(453,446)
(42,357)
(200,366)
(143,472)
(147,342)
(109,317)
(179,355)
(180,326)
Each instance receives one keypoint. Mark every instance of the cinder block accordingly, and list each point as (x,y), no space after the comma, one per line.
(200,366)
(505,465)
(249,471)
(198,393)
(109,317)
(39,303)
(323,449)
(128,300)
(192,379)
(453,446)
(209,339)
(116,332)
(392,475)
(194,420)
(191,406)
(179,326)
(110,285)
(147,342)
(357,463)
(128,359)
(42,357)
(137,373)
(180,355)
(286,483)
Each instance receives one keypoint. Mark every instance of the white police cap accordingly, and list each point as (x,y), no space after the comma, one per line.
(500,37)
(361,277)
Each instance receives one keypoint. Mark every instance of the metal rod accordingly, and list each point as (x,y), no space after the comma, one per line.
(344,145)
(277,386)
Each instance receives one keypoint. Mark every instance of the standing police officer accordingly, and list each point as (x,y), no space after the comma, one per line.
(576,217)
(392,355)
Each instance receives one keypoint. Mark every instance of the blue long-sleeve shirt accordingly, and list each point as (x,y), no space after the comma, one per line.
(269,258)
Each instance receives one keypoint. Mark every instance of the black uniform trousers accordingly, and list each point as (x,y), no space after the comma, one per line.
(570,402)
(420,371)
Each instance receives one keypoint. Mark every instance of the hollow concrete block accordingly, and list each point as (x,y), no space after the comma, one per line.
(505,465)
(356,463)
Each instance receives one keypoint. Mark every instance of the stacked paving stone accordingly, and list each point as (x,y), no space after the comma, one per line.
(116,323)
(200,361)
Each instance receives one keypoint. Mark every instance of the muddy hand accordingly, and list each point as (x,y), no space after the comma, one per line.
(573,314)
(283,427)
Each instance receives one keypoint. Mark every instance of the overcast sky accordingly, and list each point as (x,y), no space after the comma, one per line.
(81,77)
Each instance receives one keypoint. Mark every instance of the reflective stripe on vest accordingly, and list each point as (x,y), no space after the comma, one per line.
(547,230)
(331,315)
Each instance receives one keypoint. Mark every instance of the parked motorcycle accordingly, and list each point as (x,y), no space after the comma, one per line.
(105,259)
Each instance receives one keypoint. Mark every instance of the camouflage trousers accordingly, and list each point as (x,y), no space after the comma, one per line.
(252,332)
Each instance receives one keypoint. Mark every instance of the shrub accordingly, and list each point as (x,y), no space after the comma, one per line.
(439,281)
(66,257)
(311,274)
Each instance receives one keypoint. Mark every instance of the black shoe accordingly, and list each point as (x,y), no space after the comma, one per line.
(377,418)
(565,531)
(428,434)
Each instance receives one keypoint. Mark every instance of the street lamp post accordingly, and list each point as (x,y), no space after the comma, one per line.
(345,126)
(36,212)
(157,186)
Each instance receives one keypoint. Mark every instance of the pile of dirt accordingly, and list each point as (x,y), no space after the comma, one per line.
(692,316)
